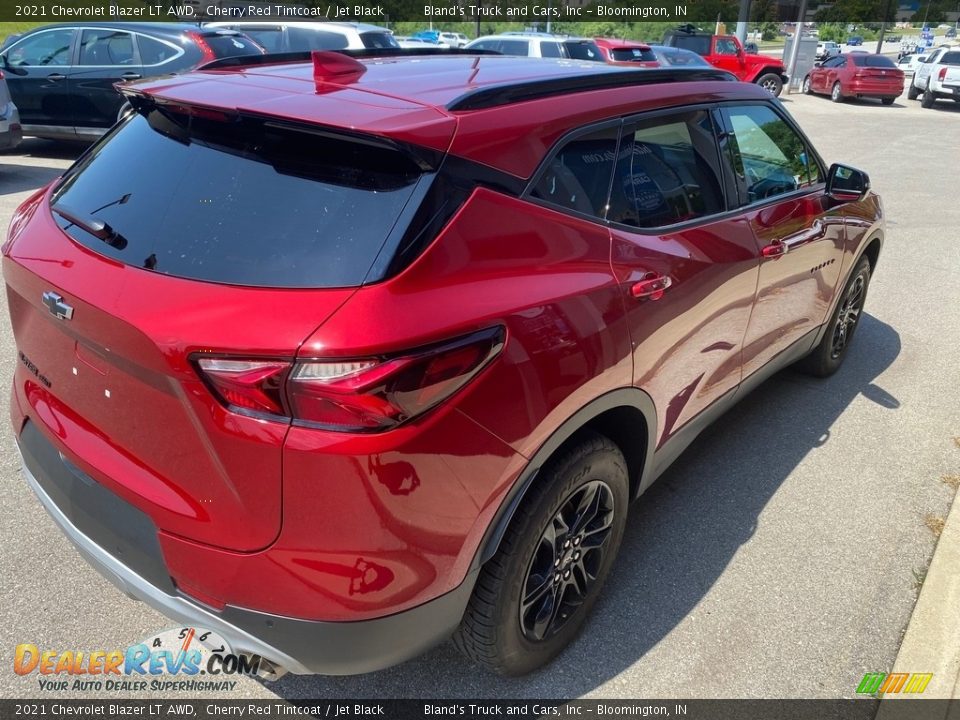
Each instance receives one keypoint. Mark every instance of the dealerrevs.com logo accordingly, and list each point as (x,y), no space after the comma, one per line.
(188,659)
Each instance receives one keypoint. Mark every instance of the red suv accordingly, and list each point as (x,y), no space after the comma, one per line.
(339,358)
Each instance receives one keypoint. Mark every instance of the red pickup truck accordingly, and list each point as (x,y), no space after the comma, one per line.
(726,53)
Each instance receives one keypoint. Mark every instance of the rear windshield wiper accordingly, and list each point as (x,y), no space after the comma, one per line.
(96,227)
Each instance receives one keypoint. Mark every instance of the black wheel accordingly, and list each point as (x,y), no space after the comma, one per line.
(927,99)
(887,101)
(837,93)
(827,357)
(912,92)
(533,596)
(771,82)
(806,86)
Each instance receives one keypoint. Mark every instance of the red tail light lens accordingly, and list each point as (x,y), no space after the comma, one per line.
(365,395)
(942,75)
(254,386)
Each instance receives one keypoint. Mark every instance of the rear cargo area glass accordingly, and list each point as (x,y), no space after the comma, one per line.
(237,200)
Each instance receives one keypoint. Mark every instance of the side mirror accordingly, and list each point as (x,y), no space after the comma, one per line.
(12,69)
(846,184)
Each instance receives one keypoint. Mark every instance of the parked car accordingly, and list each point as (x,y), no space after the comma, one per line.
(11,132)
(62,76)
(452,39)
(854,40)
(538,45)
(726,53)
(910,63)
(408,42)
(672,56)
(856,75)
(430,36)
(937,78)
(950,33)
(335,377)
(827,50)
(280,37)
(626,51)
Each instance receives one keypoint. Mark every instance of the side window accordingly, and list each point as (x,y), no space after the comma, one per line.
(106,47)
(832,62)
(578,176)
(726,46)
(154,52)
(484,45)
(270,39)
(550,49)
(304,39)
(667,171)
(770,159)
(51,49)
(514,47)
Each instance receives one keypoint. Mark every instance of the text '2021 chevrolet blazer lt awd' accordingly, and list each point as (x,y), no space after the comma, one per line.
(339,357)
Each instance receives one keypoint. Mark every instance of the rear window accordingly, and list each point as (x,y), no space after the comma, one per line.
(950,58)
(377,40)
(877,61)
(231,45)
(270,39)
(244,202)
(700,44)
(583,50)
(632,55)
(305,39)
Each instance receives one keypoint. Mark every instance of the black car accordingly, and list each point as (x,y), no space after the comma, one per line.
(62,77)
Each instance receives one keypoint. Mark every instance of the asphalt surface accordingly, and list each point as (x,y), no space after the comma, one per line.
(779,556)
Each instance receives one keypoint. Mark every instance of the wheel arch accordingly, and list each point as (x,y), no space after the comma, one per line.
(626,416)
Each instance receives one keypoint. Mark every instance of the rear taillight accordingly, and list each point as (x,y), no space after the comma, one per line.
(356,395)
(205,50)
(1,74)
(942,75)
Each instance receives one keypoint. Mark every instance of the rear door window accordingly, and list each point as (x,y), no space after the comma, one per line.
(104,48)
(550,50)
(668,171)
(237,200)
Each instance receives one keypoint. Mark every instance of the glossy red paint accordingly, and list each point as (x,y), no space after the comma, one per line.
(317,524)
(856,79)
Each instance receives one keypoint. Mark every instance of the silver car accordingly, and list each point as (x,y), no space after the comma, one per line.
(10,131)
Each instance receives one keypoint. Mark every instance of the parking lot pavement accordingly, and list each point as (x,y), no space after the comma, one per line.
(779,557)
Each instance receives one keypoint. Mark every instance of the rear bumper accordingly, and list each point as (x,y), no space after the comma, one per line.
(875,89)
(299,646)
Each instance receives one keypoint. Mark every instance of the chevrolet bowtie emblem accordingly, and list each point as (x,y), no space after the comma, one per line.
(57,307)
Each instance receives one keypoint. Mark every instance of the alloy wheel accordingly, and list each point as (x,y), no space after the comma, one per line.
(567,560)
(849,316)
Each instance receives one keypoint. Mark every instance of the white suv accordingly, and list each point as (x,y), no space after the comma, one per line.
(538,45)
(280,37)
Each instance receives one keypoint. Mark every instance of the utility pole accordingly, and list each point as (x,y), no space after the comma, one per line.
(742,19)
(795,47)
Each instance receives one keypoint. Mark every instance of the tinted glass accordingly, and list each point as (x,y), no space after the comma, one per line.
(378,40)
(877,61)
(578,176)
(772,159)
(513,47)
(950,58)
(270,39)
(244,202)
(231,45)
(700,44)
(106,47)
(632,55)
(154,52)
(583,51)
(726,46)
(834,62)
(680,58)
(667,172)
(303,39)
(550,49)
(50,49)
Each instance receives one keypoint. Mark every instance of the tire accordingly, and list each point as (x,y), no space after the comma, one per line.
(806,86)
(827,357)
(494,632)
(771,82)
(887,101)
(836,94)
(927,99)
(912,92)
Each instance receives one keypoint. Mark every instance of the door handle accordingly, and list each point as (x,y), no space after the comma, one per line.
(651,288)
(775,249)
(56,77)
(131,76)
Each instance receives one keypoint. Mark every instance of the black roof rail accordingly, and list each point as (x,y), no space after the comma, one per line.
(307,56)
(509,93)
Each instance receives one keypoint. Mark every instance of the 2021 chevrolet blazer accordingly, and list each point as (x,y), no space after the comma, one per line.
(340,357)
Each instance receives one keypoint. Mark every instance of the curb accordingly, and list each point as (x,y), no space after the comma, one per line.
(931,643)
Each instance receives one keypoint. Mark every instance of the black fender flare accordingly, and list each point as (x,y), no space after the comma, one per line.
(631,397)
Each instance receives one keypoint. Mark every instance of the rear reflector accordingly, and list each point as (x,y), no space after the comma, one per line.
(364,395)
